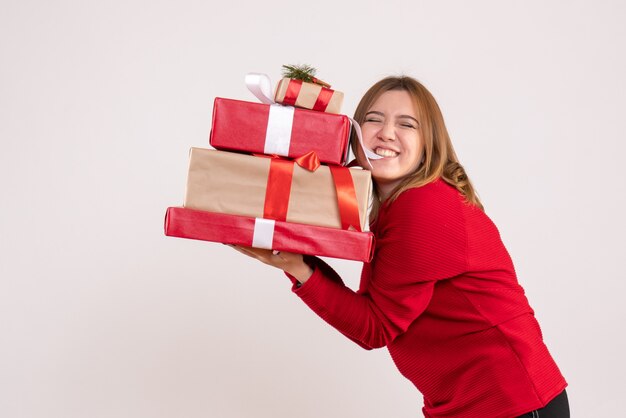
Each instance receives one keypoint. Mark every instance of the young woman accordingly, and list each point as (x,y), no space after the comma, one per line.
(441,292)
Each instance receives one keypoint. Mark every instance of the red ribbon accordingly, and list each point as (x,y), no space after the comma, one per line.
(320,82)
(278,189)
(346,198)
(323,99)
(293,89)
(309,161)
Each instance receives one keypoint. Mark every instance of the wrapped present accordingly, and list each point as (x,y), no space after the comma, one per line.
(280,189)
(263,233)
(281,130)
(308,95)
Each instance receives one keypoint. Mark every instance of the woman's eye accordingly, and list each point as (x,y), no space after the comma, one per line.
(408,125)
(372,120)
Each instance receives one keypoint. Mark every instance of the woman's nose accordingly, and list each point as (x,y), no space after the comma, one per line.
(387,132)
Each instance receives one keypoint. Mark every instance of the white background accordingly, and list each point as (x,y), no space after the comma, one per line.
(101,315)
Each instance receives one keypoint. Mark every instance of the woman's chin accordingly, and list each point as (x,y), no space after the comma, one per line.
(384,173)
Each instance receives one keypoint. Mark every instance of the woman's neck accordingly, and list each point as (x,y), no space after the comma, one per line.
(384,190)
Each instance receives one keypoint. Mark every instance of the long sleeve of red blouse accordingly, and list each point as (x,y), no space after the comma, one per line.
(419,240)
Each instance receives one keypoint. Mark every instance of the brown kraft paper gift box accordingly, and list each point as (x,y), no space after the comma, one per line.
(308,95)
(231,183)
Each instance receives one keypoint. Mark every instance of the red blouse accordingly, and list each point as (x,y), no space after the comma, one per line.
(441,293)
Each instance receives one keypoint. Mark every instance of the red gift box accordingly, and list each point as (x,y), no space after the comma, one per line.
(281,130)
(264,233)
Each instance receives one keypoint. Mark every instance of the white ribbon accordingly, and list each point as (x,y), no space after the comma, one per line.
(369,154)
(263,235)
(278,134)
(260,85)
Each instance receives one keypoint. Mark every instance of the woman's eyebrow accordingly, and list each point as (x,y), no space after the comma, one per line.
(408,117)
(381,114)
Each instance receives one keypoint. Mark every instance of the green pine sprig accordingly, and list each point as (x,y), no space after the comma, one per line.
(300,72)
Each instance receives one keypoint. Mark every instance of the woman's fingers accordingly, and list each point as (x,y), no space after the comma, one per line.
(255,252)
(291,263)
(265,256)
(244,251)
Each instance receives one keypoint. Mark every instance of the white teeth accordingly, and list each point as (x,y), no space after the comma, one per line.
(385,152)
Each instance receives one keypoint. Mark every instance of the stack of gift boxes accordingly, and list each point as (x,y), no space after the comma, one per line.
(277,177)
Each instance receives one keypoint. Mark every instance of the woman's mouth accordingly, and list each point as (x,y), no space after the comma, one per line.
(383,152)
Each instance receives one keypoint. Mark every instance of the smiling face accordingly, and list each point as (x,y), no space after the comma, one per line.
(391,129)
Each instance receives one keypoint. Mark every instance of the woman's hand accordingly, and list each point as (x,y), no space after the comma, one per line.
(289,262)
